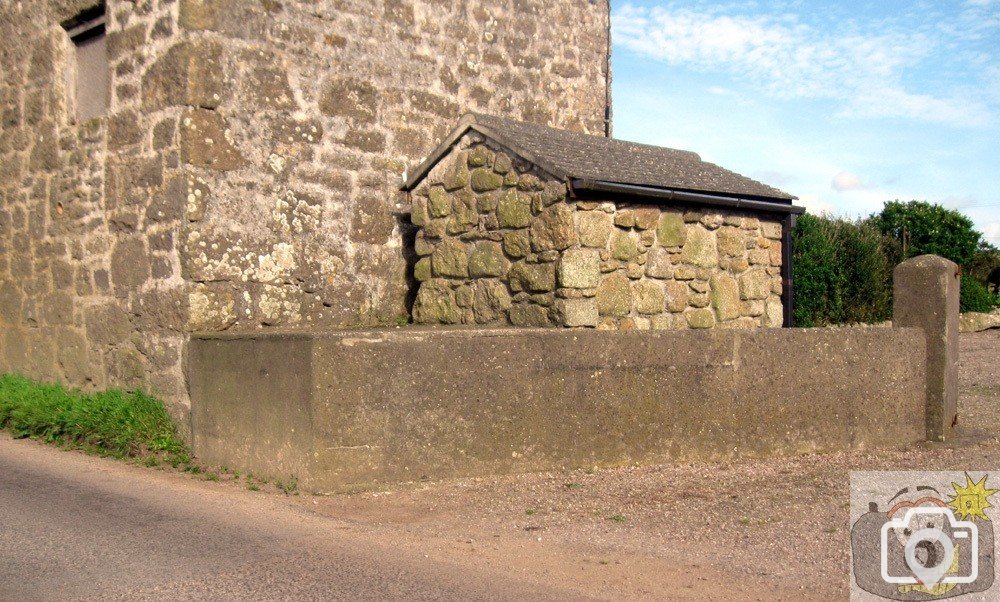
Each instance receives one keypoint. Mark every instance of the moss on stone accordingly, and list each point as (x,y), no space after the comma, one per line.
(422,270)
(623,246)
(488,260)
(517,244)
(439,202)
(484,180)
(514,210)
(451,259)
(700,318)
(671,232)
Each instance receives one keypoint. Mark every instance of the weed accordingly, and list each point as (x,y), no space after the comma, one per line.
(113,422)
(290,487)
(744,521)
(211,476)
(572,485)
(253,486)
(531,511)
(618,518)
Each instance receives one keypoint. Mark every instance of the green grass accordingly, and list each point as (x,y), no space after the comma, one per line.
(114,423)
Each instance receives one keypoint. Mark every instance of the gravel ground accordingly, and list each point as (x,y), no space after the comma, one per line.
(773,529)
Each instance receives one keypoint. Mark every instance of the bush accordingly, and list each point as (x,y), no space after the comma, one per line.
(843,269)
(842,272)
(111,422)
(974,296)
(815,277)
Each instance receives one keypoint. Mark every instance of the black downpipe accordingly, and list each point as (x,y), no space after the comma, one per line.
(787,284)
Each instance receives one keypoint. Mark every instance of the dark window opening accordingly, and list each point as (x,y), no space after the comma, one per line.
(89,75)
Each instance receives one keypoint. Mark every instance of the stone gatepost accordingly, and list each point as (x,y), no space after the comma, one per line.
(925,295)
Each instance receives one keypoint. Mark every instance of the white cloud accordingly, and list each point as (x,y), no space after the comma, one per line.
(845,181)
(862,70)
(816,205)
(991,232)
(720,91)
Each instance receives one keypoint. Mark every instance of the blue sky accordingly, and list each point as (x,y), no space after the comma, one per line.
(843,104)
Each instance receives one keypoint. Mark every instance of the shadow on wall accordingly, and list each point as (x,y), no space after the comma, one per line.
(408,233)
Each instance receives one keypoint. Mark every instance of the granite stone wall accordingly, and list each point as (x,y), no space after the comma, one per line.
(246,175)
(500,243)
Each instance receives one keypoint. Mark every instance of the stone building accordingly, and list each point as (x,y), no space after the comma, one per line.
(169,166)
(526,225)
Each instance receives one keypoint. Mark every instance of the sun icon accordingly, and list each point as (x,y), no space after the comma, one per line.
(971,500)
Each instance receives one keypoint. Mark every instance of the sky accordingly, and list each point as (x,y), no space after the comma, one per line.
(843,104)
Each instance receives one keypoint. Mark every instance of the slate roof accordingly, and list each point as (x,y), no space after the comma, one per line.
(571,155)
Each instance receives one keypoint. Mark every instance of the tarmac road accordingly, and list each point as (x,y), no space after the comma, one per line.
(76,527)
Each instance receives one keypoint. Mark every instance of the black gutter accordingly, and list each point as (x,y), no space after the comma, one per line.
(787,211)
(668,194)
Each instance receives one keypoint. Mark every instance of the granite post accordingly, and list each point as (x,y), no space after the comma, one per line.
(925,295)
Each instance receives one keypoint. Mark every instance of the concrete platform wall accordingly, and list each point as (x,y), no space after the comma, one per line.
(360,410)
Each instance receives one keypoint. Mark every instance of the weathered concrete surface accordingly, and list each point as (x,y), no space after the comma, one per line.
(395,406)
(271,437)
(926,295)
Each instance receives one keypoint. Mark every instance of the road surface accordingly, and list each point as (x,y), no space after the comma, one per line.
(76,527)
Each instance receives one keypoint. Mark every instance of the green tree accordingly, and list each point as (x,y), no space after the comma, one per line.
(920,228)
(986,259)
(927,228)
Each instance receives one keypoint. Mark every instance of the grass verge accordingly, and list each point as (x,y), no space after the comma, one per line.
(113,423)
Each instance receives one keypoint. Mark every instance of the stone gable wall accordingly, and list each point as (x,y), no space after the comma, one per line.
(247,173)
(499,243)
(324,106)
